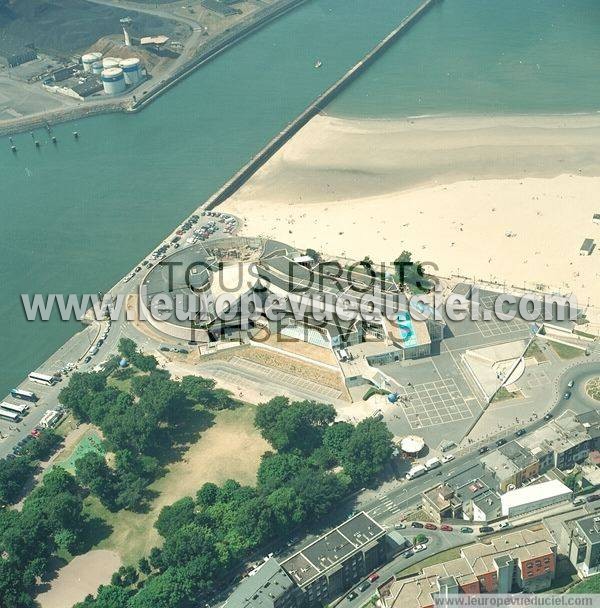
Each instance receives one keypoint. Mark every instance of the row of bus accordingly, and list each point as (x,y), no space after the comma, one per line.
(13,412)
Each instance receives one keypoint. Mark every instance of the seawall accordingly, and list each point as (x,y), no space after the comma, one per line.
(314,108)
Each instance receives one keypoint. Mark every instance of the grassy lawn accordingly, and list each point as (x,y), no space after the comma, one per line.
(438,558)
(230,449)
(564,351)
(122,385)
(593,388)
(503,394)
(564,577)
(536,352)
(590,585)
(90,442)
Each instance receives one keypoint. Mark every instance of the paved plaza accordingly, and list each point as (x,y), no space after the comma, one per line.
(433,403)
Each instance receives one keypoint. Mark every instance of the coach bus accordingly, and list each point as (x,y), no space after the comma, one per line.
(17,408)
(17,393)
(10,416)
(43,379)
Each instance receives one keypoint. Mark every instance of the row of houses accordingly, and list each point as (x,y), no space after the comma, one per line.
(522,561)
(508,481)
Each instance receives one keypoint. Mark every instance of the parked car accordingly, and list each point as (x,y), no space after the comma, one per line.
(399,526)
(567,395)
(446,528)
(416,524)
(500,442)
(448,458)
(430,526)
(593,497)
(483,449)
(87,359)
(364,586)
(571,384)
(373,577)
(548,416)
(466,530)
(408,553)
(504,524)
(418,548)
(520,432)
(486,529)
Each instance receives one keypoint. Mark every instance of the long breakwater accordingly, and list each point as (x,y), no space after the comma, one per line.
(318,105)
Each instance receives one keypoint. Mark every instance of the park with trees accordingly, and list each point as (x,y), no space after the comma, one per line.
(206,538)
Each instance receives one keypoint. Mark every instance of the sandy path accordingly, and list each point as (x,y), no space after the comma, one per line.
(79,578)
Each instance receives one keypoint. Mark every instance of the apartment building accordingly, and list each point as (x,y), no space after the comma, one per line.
(511,465)
(583,546)
(334,562)
(520,561)
(269,586)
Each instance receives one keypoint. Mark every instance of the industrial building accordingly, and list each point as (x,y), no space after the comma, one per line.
(336,561)
(113,80)
(112,75)
(269,586)
(89,59)
(519,561)
(534,497)
(13,52)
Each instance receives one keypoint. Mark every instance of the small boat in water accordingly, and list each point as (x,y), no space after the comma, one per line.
(75,134)
(318,63)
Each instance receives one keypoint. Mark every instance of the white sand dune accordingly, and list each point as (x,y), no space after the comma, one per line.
(447,189)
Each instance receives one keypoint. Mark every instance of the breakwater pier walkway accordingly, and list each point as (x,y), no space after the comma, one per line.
(259,159)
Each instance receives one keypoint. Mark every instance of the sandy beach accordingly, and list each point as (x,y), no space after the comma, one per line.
(507,199)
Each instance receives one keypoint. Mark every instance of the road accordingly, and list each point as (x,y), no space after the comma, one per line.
(438,541)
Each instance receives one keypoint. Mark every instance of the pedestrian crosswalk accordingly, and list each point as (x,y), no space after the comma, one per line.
(387,507)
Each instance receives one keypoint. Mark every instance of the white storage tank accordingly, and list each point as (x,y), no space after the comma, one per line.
(113,81)
(110,62)
(88,59)
(97,68)
(132,70)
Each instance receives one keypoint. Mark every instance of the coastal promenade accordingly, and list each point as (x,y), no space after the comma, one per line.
(317,106)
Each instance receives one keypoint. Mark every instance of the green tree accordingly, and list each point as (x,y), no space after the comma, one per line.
(368,450)
(13,475)
(93,472)
(298,425)
(175,516)
(109,596)
(337,437)
(207,495)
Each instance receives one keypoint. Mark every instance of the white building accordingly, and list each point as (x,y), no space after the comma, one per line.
(533,497)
